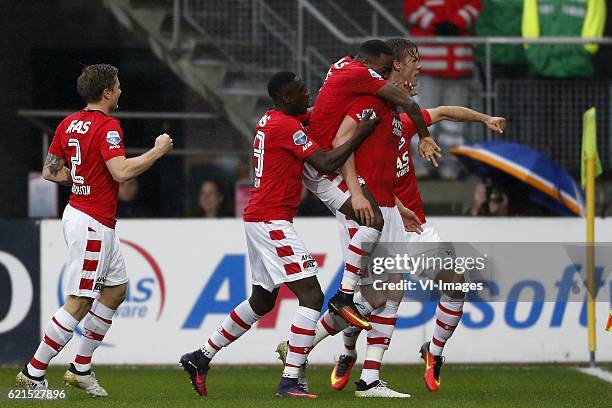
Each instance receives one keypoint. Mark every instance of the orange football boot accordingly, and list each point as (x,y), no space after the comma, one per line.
(342,305)
(433,364)
(342,371)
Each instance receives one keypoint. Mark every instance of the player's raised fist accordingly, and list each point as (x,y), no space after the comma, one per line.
(164,143)
(497,124)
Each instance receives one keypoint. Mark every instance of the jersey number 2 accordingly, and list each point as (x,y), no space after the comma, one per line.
(75,161)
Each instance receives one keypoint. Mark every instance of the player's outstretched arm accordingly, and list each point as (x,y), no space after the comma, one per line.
(430,150)
(123,169)
(328,162)
(461,114)
(55,170)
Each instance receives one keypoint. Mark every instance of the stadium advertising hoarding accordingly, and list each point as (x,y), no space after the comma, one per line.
(19,288)
(186,275)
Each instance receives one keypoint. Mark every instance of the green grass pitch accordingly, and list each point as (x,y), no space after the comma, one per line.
(480,386)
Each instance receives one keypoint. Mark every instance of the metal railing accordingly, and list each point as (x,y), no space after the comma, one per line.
(252,36)
(37,117)
(264,36)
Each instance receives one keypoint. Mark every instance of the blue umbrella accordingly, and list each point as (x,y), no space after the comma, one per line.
(550,185)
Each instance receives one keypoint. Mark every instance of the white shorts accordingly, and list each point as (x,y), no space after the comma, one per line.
(393,232)
(330,189)
(277,254)
(428,236)
(94,256)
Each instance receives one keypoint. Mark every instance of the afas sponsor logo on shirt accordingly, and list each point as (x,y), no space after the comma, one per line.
(402,143)
(397,126)
(113,138)
(78,126)
(300,139)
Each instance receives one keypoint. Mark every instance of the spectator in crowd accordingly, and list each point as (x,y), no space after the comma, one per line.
(480,205)
(211,200)
(129,204)
(490,200)
(570,18)
(502,18)
(498,202)
(447,70)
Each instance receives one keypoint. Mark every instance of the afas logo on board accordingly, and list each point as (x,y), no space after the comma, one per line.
(231,273)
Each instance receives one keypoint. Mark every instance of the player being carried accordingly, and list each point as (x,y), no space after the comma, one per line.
(346,80)
(91,143)
(276,254)
(374,163)
(382,305)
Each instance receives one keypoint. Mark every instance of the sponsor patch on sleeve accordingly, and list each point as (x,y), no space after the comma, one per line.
(375,74)
(365,112)
(113,137)
(300,138)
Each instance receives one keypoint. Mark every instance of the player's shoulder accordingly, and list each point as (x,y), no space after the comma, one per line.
(280,122)
(380,107)
(360,70)
(369,99)
(110,122)
(110,128)
(68,119)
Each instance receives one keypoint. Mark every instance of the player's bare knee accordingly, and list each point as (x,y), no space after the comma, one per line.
(262,301)
(374,297)
(78,306)
(113,296)
(308,291)
(120,295)
(378,302)
(261,307)
(455,294)
(313,300)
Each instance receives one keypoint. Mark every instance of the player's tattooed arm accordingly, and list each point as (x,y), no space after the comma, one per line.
(55,170)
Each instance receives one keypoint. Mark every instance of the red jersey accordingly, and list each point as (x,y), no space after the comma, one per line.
(346,80)
(279,150)
(375,158)
(406,188)
(86,140)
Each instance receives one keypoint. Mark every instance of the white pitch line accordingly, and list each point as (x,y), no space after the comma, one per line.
(597,372)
